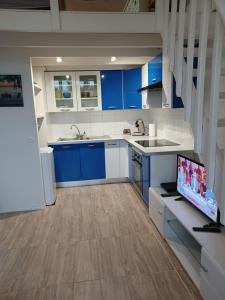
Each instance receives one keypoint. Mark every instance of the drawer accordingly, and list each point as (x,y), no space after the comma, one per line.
(215,276)
(157,217)
(155,201)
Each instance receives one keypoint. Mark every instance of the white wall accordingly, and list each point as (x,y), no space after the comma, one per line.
(169,122)
(94,123)
(20,173)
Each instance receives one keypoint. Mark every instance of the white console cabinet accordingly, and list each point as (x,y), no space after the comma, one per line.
(201,254)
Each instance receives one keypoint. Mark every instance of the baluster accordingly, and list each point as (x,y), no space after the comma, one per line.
(190,58)
(180,45)
(214,98)
(166,25)
(203,39)
(173,23)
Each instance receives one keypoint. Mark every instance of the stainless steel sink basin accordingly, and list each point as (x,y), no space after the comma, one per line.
(63,139)
(100,137)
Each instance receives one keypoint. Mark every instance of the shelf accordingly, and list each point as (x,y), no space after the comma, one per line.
(89,98)
(187,240)
(63,99)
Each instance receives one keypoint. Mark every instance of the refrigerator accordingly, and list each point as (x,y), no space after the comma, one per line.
(48,174)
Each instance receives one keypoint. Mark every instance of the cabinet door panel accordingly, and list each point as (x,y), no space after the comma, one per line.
(124,161)
(111,85)
(88,90)
(61,91)
(112,159)
(155,70)
(131,84)
(67,163)
(92,161)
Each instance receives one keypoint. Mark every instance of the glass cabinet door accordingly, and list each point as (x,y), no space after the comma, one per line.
(88,90)
(63,91)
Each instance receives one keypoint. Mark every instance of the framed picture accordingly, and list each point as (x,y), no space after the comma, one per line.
(11,94)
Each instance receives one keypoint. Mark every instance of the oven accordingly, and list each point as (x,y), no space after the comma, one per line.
(137,171)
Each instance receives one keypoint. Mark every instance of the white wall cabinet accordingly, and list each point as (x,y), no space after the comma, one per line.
(73,91)
(88,91)
(61,91)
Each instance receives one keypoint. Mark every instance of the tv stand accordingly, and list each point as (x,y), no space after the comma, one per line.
(201,253)
(179,199)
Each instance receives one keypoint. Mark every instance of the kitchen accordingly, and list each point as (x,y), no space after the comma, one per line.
(96,121)
(81,238)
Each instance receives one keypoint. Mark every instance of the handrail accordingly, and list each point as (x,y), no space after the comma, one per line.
(220,6)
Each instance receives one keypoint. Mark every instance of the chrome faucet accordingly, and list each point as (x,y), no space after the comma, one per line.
(78,130)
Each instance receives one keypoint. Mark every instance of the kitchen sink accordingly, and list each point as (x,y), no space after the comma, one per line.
(63,139)
(100,137)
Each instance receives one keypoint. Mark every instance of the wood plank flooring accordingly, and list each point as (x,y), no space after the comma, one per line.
(96,243)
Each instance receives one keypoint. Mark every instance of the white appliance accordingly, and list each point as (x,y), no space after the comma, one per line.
(151,130)
(48,174)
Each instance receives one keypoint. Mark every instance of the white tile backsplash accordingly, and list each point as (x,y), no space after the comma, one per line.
(169,122)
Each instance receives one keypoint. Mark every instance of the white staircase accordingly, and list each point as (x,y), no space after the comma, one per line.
(194,40)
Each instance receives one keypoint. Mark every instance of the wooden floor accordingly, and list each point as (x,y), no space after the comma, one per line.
(96,243)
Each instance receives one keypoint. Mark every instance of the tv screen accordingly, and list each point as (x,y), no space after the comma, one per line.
(191,184)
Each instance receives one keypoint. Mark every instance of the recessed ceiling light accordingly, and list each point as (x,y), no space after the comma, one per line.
(67,76)
(58,59)
(103,76)
(113,58)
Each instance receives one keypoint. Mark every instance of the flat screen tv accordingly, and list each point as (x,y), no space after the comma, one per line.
(191,184)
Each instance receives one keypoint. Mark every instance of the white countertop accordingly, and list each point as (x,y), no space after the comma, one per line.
(184,145)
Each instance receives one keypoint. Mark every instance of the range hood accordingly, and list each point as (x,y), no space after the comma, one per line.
(152,87)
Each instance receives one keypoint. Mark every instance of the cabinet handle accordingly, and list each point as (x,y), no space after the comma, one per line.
(112,144)
(91,145)
(64,109)
(153,79)
(89,108)
(111,107)
(66,147)
(132,106)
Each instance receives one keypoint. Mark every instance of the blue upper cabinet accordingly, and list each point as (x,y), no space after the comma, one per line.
(111,85)
(131,84)
(67,162)
(155,70)
(92,157)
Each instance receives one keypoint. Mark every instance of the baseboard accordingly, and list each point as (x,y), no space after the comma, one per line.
(91,182)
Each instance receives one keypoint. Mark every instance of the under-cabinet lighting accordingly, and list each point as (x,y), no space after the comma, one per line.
(58,59)
(113,58)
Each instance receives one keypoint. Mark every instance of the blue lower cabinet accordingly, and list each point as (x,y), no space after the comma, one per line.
(146,177)
(131,85)
(111,86)
(92,160)
(67,162)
